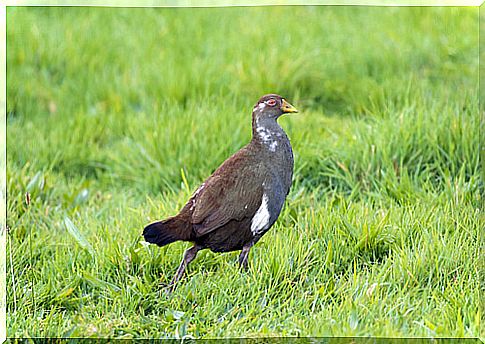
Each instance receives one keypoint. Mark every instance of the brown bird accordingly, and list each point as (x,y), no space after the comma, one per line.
(242,199)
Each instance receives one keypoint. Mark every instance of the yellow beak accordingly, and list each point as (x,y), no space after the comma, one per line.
(287,107)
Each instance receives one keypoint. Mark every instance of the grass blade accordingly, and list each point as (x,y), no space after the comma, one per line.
(76,234)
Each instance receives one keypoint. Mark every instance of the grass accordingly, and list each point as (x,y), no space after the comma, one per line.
(116,115)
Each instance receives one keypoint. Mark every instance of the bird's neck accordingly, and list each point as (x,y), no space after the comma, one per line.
(268,133)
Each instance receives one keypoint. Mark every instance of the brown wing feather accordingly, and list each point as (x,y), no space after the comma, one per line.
(219,201)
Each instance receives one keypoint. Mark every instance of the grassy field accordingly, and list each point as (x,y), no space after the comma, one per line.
(115,116)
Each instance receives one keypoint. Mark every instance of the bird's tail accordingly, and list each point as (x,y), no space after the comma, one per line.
(165,232)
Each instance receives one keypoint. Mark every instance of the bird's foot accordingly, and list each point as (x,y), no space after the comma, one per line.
(166,288)
(243,257)
(243,266)
(169,289)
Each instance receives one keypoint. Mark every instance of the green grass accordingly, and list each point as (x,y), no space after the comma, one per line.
(116,115)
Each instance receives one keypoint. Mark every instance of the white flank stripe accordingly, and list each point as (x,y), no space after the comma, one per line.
(195,194)
(260,221)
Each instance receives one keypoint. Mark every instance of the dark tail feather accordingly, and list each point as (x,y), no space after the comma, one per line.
(164,232)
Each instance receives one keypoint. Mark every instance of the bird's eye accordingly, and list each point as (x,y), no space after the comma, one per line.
(271,102)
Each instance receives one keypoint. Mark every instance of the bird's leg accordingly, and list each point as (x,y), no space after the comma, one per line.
(243,257)
(189,256)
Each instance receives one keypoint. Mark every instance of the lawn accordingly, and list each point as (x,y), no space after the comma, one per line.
(115,116)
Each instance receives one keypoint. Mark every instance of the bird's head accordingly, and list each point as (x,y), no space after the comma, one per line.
(271,106)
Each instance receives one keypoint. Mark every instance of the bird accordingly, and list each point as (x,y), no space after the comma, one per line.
(235,206)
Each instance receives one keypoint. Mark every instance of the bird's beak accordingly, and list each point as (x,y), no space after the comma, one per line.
(287,107)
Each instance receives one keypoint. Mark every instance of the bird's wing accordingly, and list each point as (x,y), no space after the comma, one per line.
(232,194)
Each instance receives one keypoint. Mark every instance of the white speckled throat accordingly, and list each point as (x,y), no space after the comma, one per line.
(268,132)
